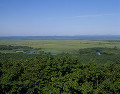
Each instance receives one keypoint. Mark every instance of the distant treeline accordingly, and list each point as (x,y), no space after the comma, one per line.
(102,50)
(112,40)
(9,47)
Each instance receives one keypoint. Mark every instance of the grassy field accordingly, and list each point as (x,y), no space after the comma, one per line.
(59,46)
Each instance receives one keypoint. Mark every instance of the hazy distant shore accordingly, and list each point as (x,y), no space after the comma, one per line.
(62,37)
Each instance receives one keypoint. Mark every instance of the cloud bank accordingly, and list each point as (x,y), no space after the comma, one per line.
(94,15)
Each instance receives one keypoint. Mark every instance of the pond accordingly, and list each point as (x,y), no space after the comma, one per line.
(20,51)
(34,53)
(53,54)
(98,53)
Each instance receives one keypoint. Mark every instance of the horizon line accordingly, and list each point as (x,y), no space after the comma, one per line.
(55,35)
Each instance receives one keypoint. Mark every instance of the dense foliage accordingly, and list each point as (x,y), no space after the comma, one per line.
(9,47)
(61,74)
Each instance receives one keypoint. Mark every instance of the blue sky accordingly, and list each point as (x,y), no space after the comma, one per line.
(59,17)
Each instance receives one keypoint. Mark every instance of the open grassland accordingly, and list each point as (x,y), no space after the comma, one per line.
(59,46)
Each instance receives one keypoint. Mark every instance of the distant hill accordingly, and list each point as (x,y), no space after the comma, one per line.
(90,37)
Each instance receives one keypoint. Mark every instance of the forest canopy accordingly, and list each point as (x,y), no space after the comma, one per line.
(82,73)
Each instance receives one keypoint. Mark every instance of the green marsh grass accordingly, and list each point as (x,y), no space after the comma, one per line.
(59,46)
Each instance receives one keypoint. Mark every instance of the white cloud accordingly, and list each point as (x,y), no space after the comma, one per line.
(94,15)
